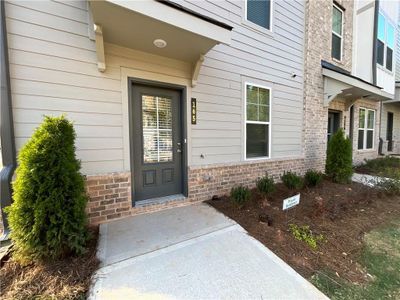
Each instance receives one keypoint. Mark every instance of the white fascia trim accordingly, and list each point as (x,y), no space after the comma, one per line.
(177,18)
(356,83)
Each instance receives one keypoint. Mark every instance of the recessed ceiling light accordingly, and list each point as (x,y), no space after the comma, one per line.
(159,43)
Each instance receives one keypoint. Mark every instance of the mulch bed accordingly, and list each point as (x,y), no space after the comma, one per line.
(68,278)
(341,213)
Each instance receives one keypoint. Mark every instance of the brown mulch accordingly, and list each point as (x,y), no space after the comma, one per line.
(68,278)
(341,213)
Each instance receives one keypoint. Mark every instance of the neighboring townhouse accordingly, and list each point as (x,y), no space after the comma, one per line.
(344,79)
(172,102)
(390,126)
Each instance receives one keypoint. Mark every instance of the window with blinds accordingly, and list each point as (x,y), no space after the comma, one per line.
(259,12)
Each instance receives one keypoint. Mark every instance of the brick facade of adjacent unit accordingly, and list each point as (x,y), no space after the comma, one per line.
(110,194)
(318,47)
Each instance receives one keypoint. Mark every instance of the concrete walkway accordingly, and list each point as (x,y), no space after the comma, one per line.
(368,180)
(191,252)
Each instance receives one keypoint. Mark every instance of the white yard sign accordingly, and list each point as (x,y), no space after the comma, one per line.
(290,202)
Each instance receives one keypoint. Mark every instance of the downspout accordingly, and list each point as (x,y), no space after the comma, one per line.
(8,152)
(374,41)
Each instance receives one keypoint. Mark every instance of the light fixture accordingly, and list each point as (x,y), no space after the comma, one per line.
(159,43)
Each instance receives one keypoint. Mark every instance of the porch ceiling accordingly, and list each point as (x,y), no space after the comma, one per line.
(136,24)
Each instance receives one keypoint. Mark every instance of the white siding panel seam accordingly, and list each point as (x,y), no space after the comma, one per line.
(49,36)
(49,41)
(99,76)
(48,12)
(69,3)
(39,18)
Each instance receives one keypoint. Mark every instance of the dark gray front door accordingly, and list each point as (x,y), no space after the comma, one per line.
(157,144)
(333,123)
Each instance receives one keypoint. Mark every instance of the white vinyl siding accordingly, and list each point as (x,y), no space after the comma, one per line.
(256,57)
(53,69)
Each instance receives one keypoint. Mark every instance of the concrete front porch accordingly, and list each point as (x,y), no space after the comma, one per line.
(190,252)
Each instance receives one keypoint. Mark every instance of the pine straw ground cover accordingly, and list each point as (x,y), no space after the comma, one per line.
(68,278)
(341,213)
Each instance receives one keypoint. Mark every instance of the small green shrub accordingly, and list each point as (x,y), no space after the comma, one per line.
(240,195)
(47,217)
(339,158)
(266,185)
(291,180)
(313,178)
(304,233)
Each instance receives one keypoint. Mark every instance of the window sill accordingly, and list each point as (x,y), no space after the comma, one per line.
(258,29)
(365,150)
(258,158)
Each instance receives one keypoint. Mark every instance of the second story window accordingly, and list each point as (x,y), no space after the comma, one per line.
(385,43)
(259,12)
(337,32)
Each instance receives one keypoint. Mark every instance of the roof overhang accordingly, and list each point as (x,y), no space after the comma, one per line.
(136,24)
(345,86)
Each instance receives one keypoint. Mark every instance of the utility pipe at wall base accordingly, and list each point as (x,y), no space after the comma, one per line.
(8,152)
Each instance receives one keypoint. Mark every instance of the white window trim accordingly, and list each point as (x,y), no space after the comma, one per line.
(366,129)
(385,46)
(340,36)
(255,26)
(246,83)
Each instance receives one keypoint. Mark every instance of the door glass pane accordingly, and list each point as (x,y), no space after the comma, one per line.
(361,139)
(165,145)
(336,47)
(370,139)
(361,123)
(257,140)
(150,153)
(157,129)
(337,21)
(258,12)
(371,117)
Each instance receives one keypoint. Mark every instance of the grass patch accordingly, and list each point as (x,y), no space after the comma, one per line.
(381,258)
(388,166)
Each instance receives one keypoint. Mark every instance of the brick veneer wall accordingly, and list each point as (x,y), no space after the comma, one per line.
(318,47)
(110,194)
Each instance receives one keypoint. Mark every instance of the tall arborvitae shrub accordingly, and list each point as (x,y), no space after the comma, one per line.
(339,158)
(47,217)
